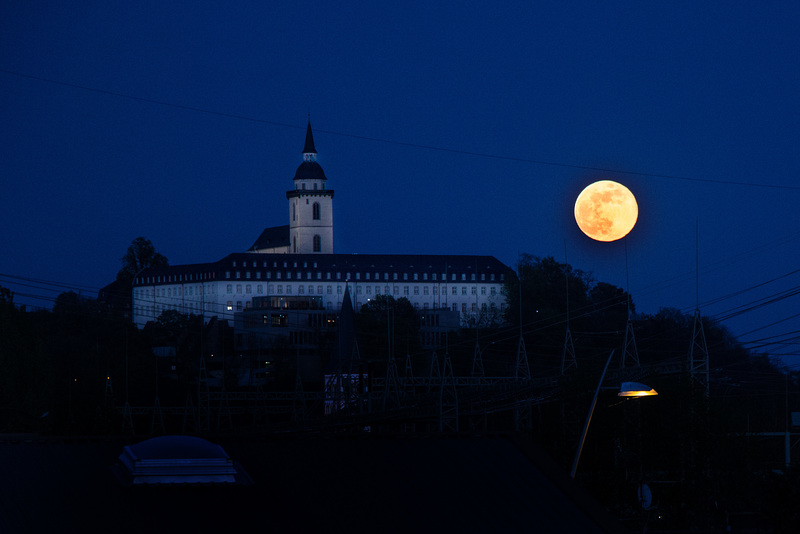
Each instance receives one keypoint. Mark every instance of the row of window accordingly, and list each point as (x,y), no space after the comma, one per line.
(395,290)
(167,278)
(179,291)
(375,276)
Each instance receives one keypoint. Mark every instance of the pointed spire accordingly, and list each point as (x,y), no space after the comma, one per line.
(309,149)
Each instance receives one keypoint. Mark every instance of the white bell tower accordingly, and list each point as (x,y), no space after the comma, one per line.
(310,205)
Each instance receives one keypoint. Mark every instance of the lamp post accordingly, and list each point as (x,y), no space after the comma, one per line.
(628,389)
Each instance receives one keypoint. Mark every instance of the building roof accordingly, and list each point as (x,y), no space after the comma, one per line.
(309,170)
(308,148)
(302,483)
(463,266)
(274,237)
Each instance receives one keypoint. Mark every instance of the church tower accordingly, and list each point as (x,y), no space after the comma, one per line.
(310,206)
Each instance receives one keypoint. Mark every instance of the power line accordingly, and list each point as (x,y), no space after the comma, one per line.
(420,146)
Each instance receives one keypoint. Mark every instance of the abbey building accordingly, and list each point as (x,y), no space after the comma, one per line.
(294,267)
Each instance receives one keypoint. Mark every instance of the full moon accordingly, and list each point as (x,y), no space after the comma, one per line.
(606,211)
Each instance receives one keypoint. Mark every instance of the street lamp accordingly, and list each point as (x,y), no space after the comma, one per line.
(628,389)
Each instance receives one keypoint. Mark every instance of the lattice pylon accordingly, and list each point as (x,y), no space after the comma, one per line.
(630,355)
(409,378)
(477,362)
(568,360)
(391,393)
(435,375)
(522,370)
(698,353)
(448,398)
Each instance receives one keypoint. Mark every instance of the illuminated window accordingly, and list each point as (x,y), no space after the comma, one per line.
(229,305)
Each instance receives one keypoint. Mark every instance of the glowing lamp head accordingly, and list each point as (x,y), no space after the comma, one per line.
(635,389)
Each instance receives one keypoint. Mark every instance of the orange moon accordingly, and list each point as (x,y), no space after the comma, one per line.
(606,211)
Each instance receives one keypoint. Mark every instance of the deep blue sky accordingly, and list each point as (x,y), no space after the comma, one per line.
(471,105)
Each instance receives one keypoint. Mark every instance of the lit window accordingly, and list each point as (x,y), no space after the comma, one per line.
(230,305)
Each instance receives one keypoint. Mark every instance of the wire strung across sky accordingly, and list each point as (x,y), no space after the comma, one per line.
(395,142)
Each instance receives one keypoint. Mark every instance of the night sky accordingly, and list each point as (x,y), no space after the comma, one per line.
(454,128)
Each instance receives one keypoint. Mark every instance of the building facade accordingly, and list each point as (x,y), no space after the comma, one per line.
(297,260)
